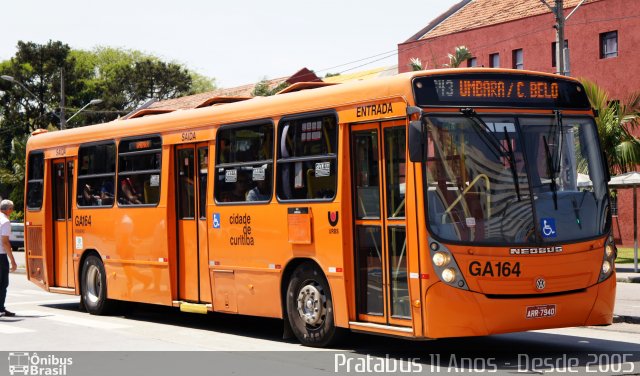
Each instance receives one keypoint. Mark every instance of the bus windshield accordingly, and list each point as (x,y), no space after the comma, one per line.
(516,180)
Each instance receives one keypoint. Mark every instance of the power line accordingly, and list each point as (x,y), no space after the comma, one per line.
(414,46)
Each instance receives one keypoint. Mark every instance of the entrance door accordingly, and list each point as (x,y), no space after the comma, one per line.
(62,198)
(192,163)
(378,152)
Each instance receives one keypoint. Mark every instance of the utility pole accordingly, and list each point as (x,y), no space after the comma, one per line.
(562,53)
(61,117)
(560,50)
(63,121)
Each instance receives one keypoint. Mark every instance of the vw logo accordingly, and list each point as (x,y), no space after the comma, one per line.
(540,283)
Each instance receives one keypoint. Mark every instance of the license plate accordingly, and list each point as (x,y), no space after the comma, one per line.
(540,311)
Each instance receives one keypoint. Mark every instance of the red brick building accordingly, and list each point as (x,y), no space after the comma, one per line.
(603,37)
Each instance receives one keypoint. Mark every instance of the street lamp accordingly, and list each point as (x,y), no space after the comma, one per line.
(60,117)
(14,81)
(91,103)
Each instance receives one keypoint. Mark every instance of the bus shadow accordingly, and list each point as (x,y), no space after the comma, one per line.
(257,327)
(513,352)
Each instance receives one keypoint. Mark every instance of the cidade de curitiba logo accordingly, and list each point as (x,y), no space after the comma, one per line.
(24,363)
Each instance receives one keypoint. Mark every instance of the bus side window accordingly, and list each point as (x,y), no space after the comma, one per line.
(139,171)
(35,180)
(244,168)
(307,158)
(96,174)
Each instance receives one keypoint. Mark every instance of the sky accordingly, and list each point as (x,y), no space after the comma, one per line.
(234,41)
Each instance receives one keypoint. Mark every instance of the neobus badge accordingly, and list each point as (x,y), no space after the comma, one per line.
(535,251)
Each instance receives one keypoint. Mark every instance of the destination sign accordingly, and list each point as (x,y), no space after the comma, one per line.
(151,143)
(499,90)
(140,145)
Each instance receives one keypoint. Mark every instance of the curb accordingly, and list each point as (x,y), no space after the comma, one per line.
(20,271)
(626,319)
(628,279)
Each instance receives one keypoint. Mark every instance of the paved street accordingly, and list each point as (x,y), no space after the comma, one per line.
(45,322)
(628,300)
(51,322)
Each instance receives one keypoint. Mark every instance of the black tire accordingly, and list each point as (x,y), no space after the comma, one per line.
(310,307)
(94,287)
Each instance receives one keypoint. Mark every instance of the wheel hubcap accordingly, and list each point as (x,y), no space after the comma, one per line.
(94,284)
(311,304)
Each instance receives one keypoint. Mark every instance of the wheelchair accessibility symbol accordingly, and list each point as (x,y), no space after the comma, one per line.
(216,220)
(548,227)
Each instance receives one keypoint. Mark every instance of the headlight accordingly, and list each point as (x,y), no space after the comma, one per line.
(608,250)
(445,267)
(441,259)
(606,267)
(448,275)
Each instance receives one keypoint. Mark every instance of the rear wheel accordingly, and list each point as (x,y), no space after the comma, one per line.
(94,287)
(310,307)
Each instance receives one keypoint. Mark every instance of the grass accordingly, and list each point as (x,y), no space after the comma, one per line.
(625,255)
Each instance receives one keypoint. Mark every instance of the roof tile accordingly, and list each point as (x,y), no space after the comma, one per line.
(481,13)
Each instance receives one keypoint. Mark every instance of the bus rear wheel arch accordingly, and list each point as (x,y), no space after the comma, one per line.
(93,288)
(309,306)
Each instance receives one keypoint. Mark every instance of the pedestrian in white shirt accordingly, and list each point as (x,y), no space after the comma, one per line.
(6,207)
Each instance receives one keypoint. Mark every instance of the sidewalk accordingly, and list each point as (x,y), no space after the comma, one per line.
(625,273)
(627,308)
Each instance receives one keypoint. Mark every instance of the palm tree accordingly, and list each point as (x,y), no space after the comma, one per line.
(461,55)
(415,64)
(616,121)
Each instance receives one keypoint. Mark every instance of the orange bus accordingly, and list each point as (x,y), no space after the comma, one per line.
(431,204)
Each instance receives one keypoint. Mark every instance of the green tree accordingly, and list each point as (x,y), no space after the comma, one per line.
(123,79)
(264,88)
(38,68)
(126,79)
(616,121)
(201,84)
(145,80)
(461,55)
(30,105)
(12,178)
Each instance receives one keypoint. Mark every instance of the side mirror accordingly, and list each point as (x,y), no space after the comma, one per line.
(416,141)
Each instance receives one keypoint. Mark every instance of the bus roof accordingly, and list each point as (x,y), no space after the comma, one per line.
(335,96)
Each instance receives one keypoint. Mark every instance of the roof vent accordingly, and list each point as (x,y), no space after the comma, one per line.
(299,86)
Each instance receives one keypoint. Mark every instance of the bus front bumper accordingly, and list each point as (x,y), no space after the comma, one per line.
(452,312)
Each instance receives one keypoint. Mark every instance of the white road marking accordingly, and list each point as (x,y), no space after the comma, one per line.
(37,292)
(78,321)
(8,328)
(70,319)
(52,301)
(15,294)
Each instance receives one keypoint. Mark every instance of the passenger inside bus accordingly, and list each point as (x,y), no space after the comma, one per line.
(106,192)
(239,191)
(260,192)
(88,196)
(130,195)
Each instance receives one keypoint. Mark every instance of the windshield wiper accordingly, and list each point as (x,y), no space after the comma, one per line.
(487,133)
(554,162)
(552,172)
(512,163)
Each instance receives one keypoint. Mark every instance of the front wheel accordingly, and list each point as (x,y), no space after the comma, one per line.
(94,287)
(310,307)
